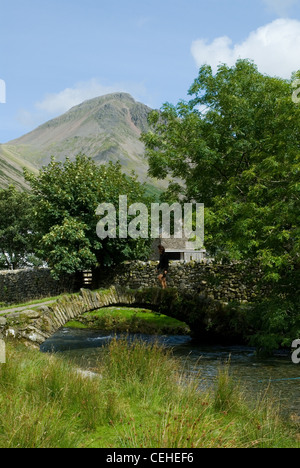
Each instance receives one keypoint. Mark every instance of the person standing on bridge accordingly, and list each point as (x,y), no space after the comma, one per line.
(163,267)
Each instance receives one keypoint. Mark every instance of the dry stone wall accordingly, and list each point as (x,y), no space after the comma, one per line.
(226,283)
(27,285)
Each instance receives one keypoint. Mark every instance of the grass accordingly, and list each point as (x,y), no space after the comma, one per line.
(131,320)
(139,398)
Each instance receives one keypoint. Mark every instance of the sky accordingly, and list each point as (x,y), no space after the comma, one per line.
(55,54)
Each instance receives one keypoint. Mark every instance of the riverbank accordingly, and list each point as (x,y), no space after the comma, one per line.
(137,397)
(130,320)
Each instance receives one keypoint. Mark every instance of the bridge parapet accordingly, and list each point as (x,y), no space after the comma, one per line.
(228,283)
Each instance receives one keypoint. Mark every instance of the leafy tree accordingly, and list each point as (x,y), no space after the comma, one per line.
(16,229)
(235,145)
(66,197)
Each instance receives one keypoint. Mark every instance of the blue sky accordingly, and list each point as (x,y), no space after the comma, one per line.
(57,53)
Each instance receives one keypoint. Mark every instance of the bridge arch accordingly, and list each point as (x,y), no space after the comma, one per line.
(199,312)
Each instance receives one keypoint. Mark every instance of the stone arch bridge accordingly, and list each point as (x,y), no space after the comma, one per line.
(207,318)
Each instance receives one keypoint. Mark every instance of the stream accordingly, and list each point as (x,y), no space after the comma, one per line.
(275,374)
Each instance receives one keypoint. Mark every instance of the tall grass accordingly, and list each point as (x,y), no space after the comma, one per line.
(140,398)
(45,402)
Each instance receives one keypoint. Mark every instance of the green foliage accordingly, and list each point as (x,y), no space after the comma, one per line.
(275,324)
(66,197)
(235,145)
(16,230)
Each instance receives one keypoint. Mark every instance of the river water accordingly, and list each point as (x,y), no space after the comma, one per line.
(277,375)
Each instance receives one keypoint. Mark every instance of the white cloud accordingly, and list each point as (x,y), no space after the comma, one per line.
(280,7)
(58,103)
(273,47)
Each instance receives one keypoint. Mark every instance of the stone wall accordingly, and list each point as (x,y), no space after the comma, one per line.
(224,283)
(27,285)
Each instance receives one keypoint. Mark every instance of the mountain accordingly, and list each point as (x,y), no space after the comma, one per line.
(11,168)
(107,128)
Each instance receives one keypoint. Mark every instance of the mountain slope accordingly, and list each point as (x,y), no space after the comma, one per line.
(105,128)
(11,168)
